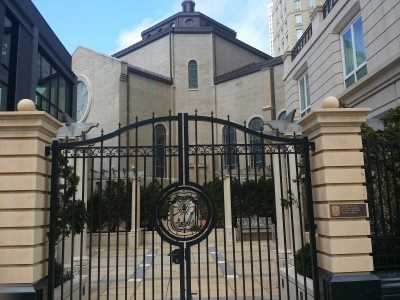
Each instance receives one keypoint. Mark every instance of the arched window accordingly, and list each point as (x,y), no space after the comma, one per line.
(160,138)
(229,139)
(257,156)
(193,75)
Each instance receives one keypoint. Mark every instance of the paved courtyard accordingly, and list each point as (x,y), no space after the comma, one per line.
(217,272)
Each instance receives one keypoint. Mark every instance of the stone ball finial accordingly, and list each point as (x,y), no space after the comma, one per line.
(26,105)
(330,102)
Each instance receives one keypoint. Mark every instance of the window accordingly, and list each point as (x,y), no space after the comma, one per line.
(311,3)
(257,156)
(53,91)
(299,19)
(3,96)
(304,94)
(297,5)
(229,139)
(7,55)
(354,54)
(193,75)
(160,138)
(299,33)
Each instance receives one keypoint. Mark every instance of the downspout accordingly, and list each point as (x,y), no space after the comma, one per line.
(273,100)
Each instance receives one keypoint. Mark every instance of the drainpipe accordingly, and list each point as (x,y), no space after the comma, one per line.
(273,100)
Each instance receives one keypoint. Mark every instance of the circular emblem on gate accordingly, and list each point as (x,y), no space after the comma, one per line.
(185,214)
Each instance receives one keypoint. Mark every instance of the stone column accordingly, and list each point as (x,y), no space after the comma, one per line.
(24,198)
(340,202)
(228,210)
(135,217)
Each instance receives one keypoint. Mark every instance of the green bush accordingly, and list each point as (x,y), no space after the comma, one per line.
(111,208)
(250,198)
(71,213)
(303,261)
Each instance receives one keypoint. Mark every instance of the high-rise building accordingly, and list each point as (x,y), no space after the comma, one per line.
(270,45)
(290,18)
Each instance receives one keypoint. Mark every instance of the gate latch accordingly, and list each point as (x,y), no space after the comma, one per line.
(177,256)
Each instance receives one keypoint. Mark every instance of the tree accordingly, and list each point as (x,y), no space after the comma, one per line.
(71,212)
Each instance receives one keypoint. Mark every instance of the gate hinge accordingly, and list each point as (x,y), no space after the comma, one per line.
(47,151)
(312,146)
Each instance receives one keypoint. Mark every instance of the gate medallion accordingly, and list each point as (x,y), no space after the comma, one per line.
(185,215)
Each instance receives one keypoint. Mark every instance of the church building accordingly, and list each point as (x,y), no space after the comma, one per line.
(185,63)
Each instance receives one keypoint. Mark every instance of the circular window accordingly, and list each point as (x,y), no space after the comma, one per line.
(82,100)
(189,21)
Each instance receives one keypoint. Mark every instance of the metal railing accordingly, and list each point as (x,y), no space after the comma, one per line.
(302,41)
(328,6)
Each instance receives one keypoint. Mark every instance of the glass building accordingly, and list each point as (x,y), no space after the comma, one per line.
(34,64)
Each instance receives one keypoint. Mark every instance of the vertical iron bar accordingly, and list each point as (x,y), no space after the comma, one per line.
(118,220)
(137,224)
(55,175)
(108,185)
(300,215)
(251,239)
(291,196)
(83,180)
(99,216)
(214,177)
(91,220)
(310,205)
(72,229)
(283,222)
(241,231)
(276,226)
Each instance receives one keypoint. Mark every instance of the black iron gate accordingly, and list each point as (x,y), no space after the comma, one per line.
(182,207)
(382,163)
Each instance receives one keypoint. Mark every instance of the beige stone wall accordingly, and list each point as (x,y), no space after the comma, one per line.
(322,58)
(197,47)
(279,86)
(104,77)
(154,57)
(229,57)
(249,93)
(343,243)
(24,195)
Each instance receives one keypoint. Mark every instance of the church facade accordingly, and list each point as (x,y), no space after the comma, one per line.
(186,63)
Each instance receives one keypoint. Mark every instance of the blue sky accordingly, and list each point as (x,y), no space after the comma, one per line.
(110,25)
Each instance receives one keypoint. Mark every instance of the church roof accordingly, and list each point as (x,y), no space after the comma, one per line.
(189,21)
(247,70)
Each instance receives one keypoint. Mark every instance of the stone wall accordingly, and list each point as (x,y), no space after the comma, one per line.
(24,195)
(154,57)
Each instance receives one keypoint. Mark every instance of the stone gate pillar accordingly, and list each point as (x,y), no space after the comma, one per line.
(24,198)
(340,202)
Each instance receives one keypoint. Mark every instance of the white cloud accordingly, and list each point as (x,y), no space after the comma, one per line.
(247,17)
(252,28)
(134,35)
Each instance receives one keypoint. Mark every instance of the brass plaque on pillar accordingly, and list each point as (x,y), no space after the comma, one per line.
(348,211)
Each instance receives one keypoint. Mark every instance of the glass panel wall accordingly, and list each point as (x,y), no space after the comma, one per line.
(6,54)
(53,91)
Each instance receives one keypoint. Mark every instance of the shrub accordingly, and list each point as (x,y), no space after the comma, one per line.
(303,261)
(111,208)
